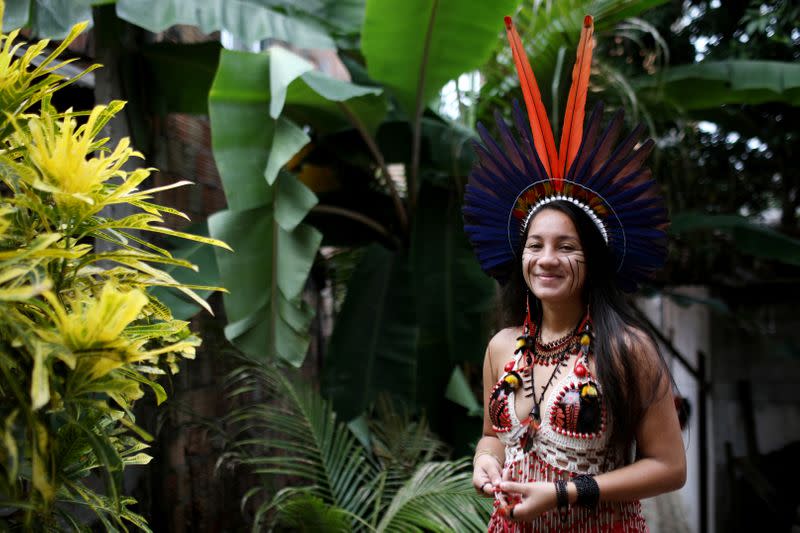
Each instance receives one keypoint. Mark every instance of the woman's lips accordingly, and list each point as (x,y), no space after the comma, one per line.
(548,277)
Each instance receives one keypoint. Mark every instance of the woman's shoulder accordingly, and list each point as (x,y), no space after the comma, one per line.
(639,342)
(503,342)
(650,367)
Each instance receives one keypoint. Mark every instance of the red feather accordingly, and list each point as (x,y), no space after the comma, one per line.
(537,115)
(572,130)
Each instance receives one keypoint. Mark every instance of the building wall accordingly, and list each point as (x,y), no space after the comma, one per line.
(687,328)
(757,409)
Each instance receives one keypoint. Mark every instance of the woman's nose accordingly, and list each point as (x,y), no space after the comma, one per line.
(548,256)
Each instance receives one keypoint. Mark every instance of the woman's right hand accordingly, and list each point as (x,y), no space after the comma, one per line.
(487,474)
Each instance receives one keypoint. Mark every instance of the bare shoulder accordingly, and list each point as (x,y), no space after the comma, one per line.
(640,344)
(651,369)
(502,344)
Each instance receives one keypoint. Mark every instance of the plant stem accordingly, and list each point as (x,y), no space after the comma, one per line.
(399,208)
(353,215)
(420,107)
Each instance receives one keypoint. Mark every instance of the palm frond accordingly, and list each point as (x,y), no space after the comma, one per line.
(401,444)
(309,514)
(439,497)
(294,432)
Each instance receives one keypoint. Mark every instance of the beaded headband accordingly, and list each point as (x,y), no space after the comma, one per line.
(606,180)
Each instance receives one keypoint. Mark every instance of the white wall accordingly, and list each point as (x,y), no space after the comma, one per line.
(688,329)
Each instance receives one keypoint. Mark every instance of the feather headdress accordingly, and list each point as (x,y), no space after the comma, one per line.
(608,181)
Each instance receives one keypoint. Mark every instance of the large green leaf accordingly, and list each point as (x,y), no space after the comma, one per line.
(748,237)
(453,295)
(51,19)
(241,130)
(16,14)
(710,84)
(373,345)
(252,103)
(342,16)
(181,75)
(249,21)
(313,98)
(266,275)
(250,90)
(428,42)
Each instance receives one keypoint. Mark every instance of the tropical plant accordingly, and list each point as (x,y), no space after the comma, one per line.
(80,336)
(315,169)
(384,473)
(307,161)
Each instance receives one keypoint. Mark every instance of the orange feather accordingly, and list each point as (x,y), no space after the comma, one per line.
(572,129)
(542,132)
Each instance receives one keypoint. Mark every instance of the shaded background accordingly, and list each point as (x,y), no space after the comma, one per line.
(343,204)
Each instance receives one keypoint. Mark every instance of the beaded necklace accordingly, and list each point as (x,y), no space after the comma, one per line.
(555,353)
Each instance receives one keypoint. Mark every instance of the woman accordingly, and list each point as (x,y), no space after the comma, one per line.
(579,418)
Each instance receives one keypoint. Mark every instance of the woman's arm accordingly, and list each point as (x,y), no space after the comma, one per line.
(490,452)
(661,461)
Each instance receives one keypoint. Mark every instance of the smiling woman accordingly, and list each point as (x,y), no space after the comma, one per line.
(579,419)
(553,260)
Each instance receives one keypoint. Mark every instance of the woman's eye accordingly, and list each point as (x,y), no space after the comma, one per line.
(535,246)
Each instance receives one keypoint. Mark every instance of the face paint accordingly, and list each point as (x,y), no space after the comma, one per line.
(553,260)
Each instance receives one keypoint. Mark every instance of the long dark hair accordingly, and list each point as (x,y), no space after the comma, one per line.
(615,329)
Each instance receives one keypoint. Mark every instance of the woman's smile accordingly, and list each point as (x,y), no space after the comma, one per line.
(553,259)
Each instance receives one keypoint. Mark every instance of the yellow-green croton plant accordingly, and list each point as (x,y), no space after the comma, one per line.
(81,336)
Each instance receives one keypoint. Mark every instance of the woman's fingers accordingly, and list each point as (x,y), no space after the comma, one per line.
(480,481)
(495,476)
(515,488)
(522,512)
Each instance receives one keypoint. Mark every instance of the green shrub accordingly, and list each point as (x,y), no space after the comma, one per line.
(81,338)
(387,473)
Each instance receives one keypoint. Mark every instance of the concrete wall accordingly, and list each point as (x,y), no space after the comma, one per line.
(687,328)
(756,355)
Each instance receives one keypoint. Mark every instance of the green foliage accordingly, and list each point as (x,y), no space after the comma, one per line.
(415,47)
(550,33)
(313,24)
(398,482)
(376,335)
(275,250)
(80,336)
(711,84)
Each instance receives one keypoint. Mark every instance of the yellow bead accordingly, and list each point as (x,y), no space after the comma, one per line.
(512,380)
(585,340)
(588,391)
(520,342)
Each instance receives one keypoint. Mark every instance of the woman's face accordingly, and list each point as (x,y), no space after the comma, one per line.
(553,263)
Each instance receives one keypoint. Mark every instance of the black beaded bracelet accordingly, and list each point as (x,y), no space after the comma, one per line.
(588,491)
(562,498)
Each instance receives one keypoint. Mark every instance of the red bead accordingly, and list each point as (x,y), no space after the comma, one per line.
(509,366)
(580,370)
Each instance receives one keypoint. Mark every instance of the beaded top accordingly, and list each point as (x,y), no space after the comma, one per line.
(573,439)
(567,438)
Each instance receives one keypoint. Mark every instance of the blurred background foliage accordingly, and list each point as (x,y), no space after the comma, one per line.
(341,133)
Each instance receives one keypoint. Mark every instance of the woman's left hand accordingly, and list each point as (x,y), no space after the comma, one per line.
(536,499)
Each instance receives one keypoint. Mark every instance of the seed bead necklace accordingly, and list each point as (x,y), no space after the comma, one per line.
(555,353)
